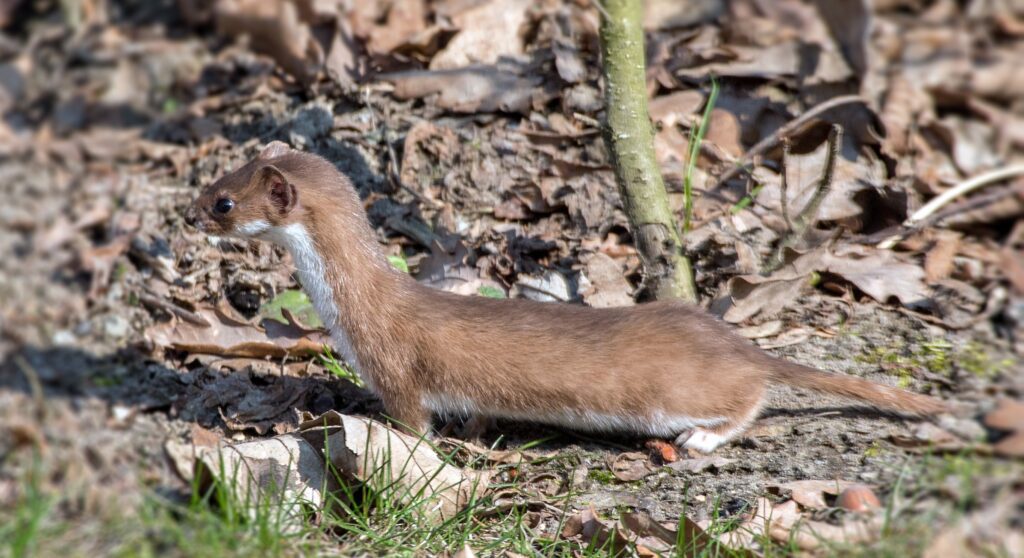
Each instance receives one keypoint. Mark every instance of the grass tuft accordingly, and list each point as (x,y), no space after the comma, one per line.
(696,139)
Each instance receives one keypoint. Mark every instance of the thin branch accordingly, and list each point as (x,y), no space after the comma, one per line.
(785,132)
(944,198)
(808,215)
(784,200)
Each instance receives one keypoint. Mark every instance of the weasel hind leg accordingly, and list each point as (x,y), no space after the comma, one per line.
(707,440)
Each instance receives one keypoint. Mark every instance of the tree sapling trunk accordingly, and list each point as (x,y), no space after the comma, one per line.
(630,138)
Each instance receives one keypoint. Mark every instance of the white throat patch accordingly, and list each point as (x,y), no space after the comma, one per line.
(252,228)
(313,275)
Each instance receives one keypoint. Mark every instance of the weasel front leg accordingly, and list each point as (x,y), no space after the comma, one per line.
(407,413)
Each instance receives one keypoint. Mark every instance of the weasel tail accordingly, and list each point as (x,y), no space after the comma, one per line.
(885,397)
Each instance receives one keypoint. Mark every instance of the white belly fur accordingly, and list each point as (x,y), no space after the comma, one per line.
(655,423)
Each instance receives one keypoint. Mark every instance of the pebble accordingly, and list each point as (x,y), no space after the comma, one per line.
(63,338)
(115,326)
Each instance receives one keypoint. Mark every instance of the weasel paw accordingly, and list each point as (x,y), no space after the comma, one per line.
(701,440)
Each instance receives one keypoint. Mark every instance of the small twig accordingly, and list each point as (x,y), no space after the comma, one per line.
(809,213)
(824,186)
(785,132)
(944,198)
(173,309)
(784,200)
(34,385)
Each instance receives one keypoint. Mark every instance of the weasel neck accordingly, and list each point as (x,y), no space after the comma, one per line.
(349,281)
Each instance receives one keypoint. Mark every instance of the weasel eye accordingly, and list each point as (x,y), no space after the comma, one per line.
(223,205)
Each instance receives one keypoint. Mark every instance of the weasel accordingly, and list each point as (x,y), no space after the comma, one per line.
(662,369)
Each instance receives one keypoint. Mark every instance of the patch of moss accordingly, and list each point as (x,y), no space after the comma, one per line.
(874,450)
(974,359)
(602,476)
(937,356)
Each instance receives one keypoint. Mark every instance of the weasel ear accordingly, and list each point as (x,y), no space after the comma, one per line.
(283,195)
(274,149)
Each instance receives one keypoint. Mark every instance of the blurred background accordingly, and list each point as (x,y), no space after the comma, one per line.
(472,129)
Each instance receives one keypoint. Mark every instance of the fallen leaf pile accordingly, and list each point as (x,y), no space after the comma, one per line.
(293,471)
(473,132)
(783,522)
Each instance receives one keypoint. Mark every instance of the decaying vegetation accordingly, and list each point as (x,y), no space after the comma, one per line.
(140,362)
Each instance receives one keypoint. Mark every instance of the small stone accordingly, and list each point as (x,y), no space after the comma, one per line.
(63,338)
(115,326)
(858,498)
(121,413)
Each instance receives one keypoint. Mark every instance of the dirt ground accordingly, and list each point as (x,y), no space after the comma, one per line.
(114,118)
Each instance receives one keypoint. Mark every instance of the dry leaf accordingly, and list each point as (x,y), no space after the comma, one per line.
(401,466)
(593,531)
(228,336)
(938,262)
(489,32)
(880,274)
(858,498)
(630,466)
(849,22)
(602,283)
(405,19)
(275,29)
(447,271)
(285,474)
(478,89)
(1008,416)
(662,450)
(811,493)
(698,464)
(853,173)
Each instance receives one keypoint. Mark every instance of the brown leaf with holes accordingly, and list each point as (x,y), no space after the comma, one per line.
(231,336)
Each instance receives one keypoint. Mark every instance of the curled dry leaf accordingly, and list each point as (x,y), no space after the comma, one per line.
(662,450)
(285,474)
(398,465)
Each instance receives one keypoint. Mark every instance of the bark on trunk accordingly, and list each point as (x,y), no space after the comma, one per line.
(630,139)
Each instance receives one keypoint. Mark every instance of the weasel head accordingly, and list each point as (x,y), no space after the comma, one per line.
(250,201)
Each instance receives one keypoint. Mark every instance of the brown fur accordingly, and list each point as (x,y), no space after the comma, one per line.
(515,357)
